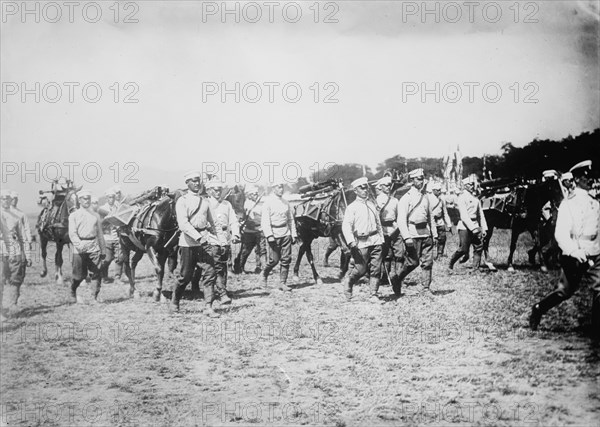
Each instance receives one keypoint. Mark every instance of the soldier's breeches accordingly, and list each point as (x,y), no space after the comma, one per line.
(280,251)
(192,257)
(249,242)
(86,262)
(13,274)
(366,259)
(419,253)
(221,255)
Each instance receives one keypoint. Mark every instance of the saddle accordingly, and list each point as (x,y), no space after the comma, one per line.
(318,209)
(506,200)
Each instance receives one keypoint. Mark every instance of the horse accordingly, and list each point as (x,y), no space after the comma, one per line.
(519,210)
(53,225)
(150,229)
(321,215)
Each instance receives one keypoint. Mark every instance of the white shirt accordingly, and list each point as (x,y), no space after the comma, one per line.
(388,211)
(226,223)
(193,219)
(471,212)
(277,218)
(420,213)
(578,224)
(361,224)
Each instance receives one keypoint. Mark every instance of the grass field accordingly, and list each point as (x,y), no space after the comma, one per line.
(462,357)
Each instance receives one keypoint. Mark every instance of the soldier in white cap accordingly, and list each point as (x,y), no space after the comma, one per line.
(89,250)
(578,236)
(15,252)
(252,236)
(566,180)
(418,230)
(364,234)
(392,249)
(279,228)
(441,217)
(14,202)
(194,220)
(472,226)
(227,231)
(111,237)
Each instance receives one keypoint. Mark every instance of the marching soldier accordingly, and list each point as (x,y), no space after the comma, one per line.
(89,250)
(14,202)
(16,255)
(252,237)
(578,235)
(441,218)
(418,230)
(363,233)
(392,249)
(279,229)
(194,220)
(111,237)
(472,226)
(227,231)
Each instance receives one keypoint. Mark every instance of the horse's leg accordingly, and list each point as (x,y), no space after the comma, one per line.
(301,251)
(137,256)
(537,249)
(309,257)
(153,258)
(161,258)
(43,249)
(58,261)
(486,249)
(514,237)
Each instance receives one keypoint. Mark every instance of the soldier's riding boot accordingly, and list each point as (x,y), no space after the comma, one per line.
(95,290)
(427,277)
(73,296)
(347,288)
(177,292)
(221,290)
(374,289)
(476,260)
(12,297)
(538,310)
(455,257)
(283,276)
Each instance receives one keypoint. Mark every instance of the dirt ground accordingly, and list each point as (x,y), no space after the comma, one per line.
(462,357)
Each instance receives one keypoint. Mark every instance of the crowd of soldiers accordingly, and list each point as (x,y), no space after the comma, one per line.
(388,238)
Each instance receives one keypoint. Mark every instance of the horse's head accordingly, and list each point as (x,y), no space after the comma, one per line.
(164,217)
(237,198)
(71,200)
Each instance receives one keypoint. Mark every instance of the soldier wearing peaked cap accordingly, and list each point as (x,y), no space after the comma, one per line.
(14,251)
(392,249)
(194,220)
(418,230)
(440,217)
(89,250)
(111,237)
(566,180)
(279,228)
(472,226)
(252,237)
(578,236)
(226,231)
(364,234)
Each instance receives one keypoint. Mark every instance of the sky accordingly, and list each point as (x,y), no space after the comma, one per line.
(367,81)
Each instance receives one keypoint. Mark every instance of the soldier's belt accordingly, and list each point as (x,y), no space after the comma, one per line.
(387,223)
(279,226)
(589,237)
(201,229)
(438,217)
(367,235)
(87,238)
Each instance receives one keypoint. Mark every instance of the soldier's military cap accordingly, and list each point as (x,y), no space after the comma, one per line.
(251,189)
(84,193)
(471,179)
(5,194)
(581,168)
(278,182)
(550,173)
(110,192)
(416,173)
(360,181)
(436,186)
(191,175)
(566,175)
(386,180)
(14,195)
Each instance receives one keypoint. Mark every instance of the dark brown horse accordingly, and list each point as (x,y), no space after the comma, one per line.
(520,209)
(321,215)
(149,229)
(53,225)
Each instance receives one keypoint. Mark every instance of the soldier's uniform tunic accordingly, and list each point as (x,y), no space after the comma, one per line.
(442,221)
(392,249)
(362,226)
(87,238)
(219,241)
(472,223)
(278,222)
(194,219)
(15,252)
(577,229)
(111,239)
(252,237)
(415,221)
